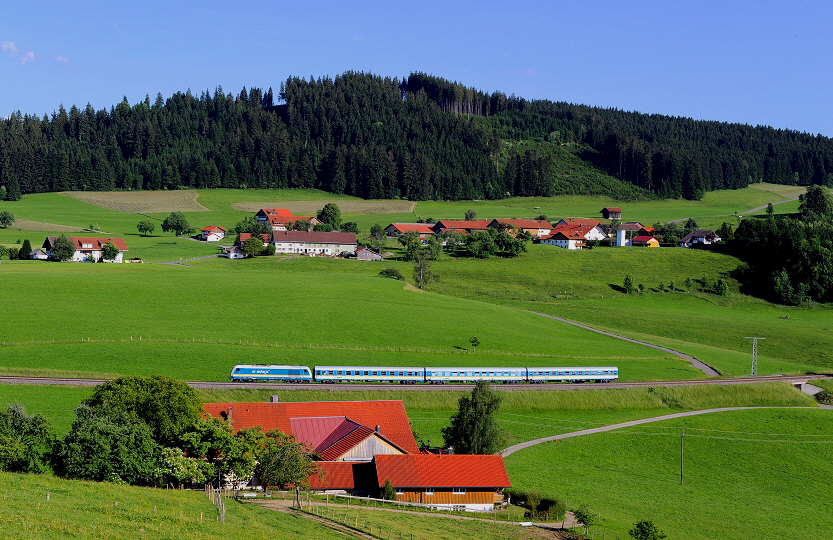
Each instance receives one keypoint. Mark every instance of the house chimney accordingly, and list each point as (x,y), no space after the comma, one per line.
(378,428)
(229,414)
(274,398)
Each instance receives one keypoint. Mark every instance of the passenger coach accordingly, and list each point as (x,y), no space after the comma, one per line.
(402,375)
(572,374)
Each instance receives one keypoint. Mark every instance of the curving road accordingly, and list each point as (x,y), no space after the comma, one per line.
(708,370)
(514,448)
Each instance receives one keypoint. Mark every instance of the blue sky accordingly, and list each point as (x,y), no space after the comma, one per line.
(754,62)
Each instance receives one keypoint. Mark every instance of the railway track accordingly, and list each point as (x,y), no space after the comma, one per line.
(791,379)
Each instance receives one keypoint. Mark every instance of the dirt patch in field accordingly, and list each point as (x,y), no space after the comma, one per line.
(302,208)
(141,202)
(26,225)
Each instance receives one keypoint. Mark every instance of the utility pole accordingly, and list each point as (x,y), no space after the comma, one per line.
(754,353)
(682,454)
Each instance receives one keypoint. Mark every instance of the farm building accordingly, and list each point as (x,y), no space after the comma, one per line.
(574,233)
(396,229)
(535,227)
(367,254)
(88,249)
(611,213)
(281,219)
(462,226)
(361,444)
(245,236)
(645,241)
(314,244)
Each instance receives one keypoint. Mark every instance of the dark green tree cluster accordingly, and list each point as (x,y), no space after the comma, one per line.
(151,431)
(787,260)
(26,441)
(378,137)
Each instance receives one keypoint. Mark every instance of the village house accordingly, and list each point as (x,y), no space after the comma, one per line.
(701,237)
(281,219)
(645,241)
(571,233)
(363,444)
(88,249)
(397,229)
(314,244)
(212,233)
(535,227)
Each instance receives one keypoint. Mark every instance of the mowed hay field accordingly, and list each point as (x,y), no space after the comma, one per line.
(747,475)
(141,202)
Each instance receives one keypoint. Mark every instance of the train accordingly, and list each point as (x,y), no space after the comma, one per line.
(421,375)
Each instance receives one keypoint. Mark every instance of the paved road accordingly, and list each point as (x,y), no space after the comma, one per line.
(512,449)
(696,363)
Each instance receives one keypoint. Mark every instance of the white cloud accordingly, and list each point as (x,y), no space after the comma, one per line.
(61,59)
(8,46)
(26,58)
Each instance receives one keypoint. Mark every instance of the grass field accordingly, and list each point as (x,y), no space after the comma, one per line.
(747,474)
(42,506)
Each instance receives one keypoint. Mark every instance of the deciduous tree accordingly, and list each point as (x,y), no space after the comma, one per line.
(109,251)
(283,461)
(422,269)
(177,223)
(26,441)
(474,428)
(145,227)
(331,215)
(252,246)
(63,249)
(6,219)
(646,530)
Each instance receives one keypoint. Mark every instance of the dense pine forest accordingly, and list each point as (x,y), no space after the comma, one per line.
(378,137)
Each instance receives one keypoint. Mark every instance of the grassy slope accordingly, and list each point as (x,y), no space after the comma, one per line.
(101,510)
(748,474)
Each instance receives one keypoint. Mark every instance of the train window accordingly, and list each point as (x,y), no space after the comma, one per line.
(237,370)
(375,373)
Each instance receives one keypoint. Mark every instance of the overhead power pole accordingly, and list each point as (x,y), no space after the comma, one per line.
(754,353)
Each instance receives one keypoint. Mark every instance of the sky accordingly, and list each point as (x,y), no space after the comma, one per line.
(753,62)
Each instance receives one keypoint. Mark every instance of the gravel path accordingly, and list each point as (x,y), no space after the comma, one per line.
(514,448)
(696,363)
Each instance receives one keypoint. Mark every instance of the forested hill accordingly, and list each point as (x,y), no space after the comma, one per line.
(376,137)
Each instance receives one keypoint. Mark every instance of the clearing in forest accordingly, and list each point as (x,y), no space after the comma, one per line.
(141,202)
(348,207)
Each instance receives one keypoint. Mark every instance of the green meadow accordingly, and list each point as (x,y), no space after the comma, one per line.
(43,506)
(746,475)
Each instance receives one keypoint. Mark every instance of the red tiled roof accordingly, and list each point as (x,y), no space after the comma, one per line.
(345,437)
(449,470)
(644,238)
(313,430)
(609,209)
(337,475)
(213,228)
(459,224)
(245,236)
(285,212)
(389,415)
(630,226)
(571,232)
(525,223)
(579,221)
(421,228)
(314,237)
(96,243)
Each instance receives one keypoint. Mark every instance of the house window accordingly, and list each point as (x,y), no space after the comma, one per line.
(429,491)
(400,491)
(459,491)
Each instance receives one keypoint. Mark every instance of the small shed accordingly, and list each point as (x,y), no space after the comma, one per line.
(367,254)
(645,241)
(611,213)
(39,255)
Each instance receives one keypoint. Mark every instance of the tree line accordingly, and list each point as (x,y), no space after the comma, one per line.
(418,138)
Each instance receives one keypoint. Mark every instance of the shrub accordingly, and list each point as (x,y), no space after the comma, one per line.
(825,396)
(392,273)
